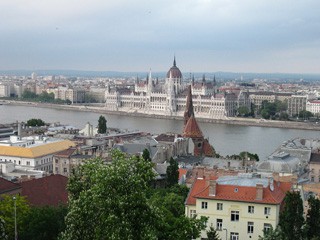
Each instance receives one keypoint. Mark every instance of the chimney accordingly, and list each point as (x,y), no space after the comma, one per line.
(19,129)
(212,188)
(259,193)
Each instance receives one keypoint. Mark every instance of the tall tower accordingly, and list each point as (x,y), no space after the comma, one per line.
(192,130)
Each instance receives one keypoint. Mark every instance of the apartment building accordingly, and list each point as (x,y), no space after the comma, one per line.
(238,207)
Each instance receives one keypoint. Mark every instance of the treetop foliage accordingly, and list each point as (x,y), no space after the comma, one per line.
(102,125)
(35,122)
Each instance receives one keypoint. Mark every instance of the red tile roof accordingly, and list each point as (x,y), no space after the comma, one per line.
(200,189)
(66,153)
(46,191)
(192,129)
(7,186)
(182,171)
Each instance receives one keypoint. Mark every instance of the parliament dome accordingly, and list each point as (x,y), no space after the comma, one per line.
(174,71)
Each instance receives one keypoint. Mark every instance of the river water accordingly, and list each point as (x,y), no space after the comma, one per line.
(226,139)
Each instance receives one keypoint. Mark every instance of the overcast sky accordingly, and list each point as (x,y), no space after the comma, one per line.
(136,35)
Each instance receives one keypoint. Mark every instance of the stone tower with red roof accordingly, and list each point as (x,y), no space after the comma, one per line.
(192,130)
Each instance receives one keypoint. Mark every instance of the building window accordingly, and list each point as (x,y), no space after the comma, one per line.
(234,236)
(250,227)
(219,224)
(266,227)
(193,213)
(234,216)
(250,209)
(28,163)
(56,160)
(220,206)
(65,170)
(204,205)
(267,210)
(312,179)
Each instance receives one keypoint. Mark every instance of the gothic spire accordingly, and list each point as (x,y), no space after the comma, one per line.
(189,106)
(174,61)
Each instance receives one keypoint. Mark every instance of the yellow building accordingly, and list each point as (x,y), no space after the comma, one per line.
(32,154)
(238,207)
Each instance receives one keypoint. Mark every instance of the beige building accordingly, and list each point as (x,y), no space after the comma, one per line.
(313,107)
(35,154)
(314,166)
(296,104)
(238,207)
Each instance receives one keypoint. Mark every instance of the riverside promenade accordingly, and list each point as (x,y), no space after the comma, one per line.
(230,120)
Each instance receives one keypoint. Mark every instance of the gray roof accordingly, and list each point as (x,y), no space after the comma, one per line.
(248,180)
(136,148)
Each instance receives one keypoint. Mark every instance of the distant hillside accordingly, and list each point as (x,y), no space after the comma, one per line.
(209,75)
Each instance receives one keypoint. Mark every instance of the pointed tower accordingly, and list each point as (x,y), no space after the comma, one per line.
(189,107)
(214,86)
(203,80)
(192,130)
(150,82)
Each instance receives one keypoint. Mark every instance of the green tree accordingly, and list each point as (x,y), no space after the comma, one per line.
(35,122)
(212,234)
(170,202)
(272,234)
(313,218)
(146,155)
(243,111)
(7,213)
(172,173)
(28,94)
(109,201)
(102,125)
(305,114)
(291,218)
(3,234)
(43,223)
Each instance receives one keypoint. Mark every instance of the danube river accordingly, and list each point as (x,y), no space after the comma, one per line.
(226,139)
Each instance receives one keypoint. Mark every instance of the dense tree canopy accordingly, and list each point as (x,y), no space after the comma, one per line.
(173,223)
(212,234)
(43,223)
(146,155)
(116,201)
(109,201)
(291,218)
(7,214)
(273,109)
(172,173)
(35,122)
(313,218)
(102,125)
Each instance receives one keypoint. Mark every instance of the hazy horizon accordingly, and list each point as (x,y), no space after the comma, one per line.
(246,36)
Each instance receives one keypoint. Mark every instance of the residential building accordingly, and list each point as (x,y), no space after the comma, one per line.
(46,191)
(8,187)
(238,207)
(313,107)
(314,167)
(35,153)
(66,160)
(296,104)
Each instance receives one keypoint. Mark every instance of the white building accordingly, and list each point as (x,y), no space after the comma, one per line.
(313,106)
(35,153)
(238,207)
(169,98)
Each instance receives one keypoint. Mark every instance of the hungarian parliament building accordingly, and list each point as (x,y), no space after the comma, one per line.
(168,98)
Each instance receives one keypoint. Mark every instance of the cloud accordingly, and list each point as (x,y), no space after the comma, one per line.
(128,35)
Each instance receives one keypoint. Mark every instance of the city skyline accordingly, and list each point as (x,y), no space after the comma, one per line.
(206,36)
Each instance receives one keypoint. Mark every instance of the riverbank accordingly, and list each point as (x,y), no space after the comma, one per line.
(230,121)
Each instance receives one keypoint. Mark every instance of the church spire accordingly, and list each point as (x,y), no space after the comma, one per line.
(174,61)
(189,107)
